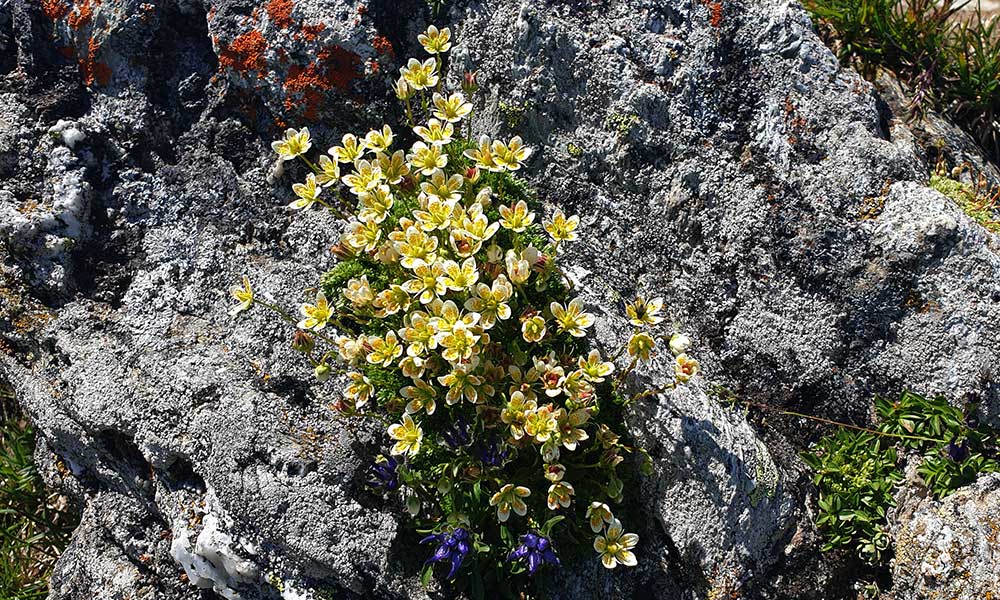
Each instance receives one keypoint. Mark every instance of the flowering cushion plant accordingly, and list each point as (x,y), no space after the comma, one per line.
(451,322)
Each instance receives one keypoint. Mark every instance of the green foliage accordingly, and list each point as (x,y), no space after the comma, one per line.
(980,200)
(857,471)
(951,62)
(34,528)
(856,474)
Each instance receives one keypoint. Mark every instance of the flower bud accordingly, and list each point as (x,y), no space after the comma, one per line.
(472,174)
(679,343)
(323,371)
(303,342)
(470,82)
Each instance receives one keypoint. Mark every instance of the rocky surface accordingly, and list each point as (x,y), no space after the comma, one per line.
(948,548)
(716,152)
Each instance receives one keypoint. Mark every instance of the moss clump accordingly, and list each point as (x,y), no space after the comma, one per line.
(974,201)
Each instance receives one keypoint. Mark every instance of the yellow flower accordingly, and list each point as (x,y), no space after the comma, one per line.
(412,367)
(358,291)
(394,167)
(615,547)
(460,277)
(384,351)
(428,281)
(516,216)
(416,248)
(572,319)
(378,141)
(421,396)
(435,41)
(512,154)
(453,108)
(551,374)
(307,192)
(562,229)
(679,343)
(559,495)
(491,302)
(640,345)
(390,301)
(514,413)
(685,367)
(443,189)
(349,150)
(360,389)
(448,315)
(461,383)
(478,225)
(316,315)
(363,235)
(522,381)
(570,432)
(642,312)
(420,75)
(329,171)
(349,348)
(533,329)
(599,514)
(459,343)
(541,423)
(375,204)
(296,143)
(435,132)
(420,333)
(243,294)
(592,367)
(427,159)
(403,89)
(437,216)
(555,472)
(366,176)
(518,267)
(508,499)
(408,436)
(483,155)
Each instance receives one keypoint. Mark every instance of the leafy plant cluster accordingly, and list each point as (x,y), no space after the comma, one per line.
(949,60)
(35,525)
(979,200)
(857,471)
(456,328)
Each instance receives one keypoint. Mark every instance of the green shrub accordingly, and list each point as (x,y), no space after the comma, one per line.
(856,470)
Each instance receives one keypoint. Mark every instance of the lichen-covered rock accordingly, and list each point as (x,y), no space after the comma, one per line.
(716,152)
(948,548)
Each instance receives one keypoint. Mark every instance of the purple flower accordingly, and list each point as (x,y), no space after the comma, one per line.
(537,550)
(489,452)
(958,452)
(451,547)
(384,473)
(458,434)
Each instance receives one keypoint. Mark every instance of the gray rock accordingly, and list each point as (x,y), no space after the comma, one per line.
(948,548)
(731,167)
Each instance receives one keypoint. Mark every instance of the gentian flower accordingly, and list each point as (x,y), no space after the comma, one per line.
(452,547)
(958,452)
(489,452)
(384,473)
(457,434)
(537,550)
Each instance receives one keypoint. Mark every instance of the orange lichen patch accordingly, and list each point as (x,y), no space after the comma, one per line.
(311,32)
(84,13)
(383,46)
(373,66)
(280,13)
(245,53)
(93,70)
(334,68)
(714,12)
(55,9)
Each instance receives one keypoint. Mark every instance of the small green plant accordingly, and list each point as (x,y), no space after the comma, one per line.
(621,123)
(950,62)
(980,200)
(450,321)
(856,470)
(34,523)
